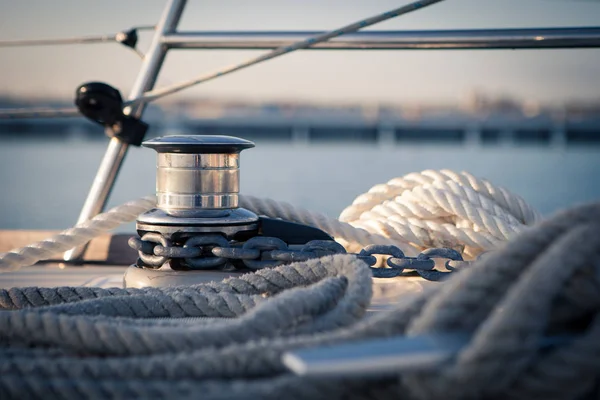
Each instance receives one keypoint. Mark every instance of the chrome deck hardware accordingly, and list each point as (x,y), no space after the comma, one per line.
(197,186)
(197,232)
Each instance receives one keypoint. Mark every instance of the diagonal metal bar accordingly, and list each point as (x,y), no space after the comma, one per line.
(303,44)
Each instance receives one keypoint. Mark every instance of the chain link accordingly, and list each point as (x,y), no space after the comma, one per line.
(212,251)
(265,245)
(205,243)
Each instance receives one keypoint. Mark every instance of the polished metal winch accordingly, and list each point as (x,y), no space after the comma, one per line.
(197,187)
(197,233)
(197,228)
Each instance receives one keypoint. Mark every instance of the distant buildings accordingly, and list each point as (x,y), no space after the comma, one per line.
(479,118)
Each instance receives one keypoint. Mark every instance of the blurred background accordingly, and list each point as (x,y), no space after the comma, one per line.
(328,124)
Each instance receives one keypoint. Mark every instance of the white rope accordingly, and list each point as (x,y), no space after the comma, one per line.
(419,210)
(441,208)
(76,236)
(512,203)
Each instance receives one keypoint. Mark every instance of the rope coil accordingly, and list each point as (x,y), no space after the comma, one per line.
(69,343)
(441,209)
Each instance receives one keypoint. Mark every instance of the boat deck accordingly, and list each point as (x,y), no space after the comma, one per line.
(108,257)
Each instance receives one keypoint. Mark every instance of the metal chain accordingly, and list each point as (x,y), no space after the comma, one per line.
(213,251)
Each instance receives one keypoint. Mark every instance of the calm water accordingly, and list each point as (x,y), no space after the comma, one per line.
(44,183)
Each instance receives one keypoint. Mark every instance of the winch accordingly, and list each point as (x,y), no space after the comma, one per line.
(198,229)
(197,186)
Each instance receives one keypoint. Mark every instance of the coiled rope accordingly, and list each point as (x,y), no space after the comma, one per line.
(419,210)
(441,208)
(66,343)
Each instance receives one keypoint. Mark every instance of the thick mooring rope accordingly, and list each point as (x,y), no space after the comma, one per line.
(443,209)
(110,344)
(420,210)
(76,236)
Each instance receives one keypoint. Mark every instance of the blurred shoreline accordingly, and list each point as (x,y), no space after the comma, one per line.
(478,119)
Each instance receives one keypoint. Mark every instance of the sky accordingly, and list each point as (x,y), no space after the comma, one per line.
(549,76)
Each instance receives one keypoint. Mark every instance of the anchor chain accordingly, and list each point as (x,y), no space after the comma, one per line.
(211,251)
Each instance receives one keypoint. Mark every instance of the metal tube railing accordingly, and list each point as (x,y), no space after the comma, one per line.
(530,38)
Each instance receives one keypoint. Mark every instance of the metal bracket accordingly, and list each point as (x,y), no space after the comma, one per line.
(103,104)
(290,232)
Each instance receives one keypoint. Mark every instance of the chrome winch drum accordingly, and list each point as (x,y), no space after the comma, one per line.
(197,188)
(197,213)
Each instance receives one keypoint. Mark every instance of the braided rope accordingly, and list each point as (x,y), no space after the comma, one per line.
(533,277)
(547,277)
(514,204)
(338,297)
(434,208)
(76,236)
